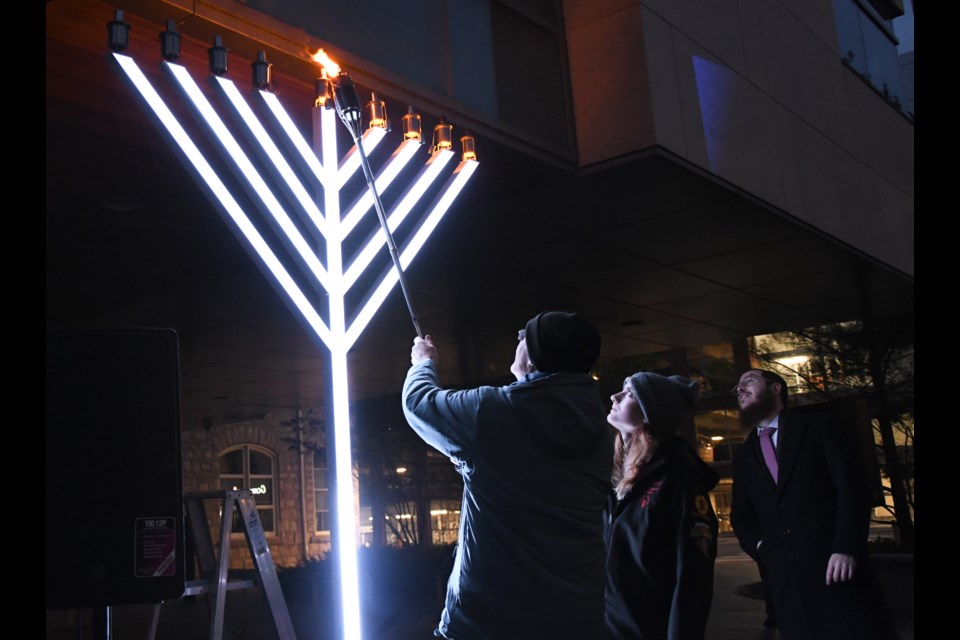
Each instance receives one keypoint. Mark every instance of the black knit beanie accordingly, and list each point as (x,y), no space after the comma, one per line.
(666,402)
(562,342)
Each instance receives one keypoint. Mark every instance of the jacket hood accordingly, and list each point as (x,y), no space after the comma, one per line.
(562,411)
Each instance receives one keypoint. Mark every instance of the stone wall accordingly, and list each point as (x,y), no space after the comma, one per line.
(200,452)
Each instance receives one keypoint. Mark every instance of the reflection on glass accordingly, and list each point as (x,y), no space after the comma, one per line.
(713,366)
(869,48)
(718,434)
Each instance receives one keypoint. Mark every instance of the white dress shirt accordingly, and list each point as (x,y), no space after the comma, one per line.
(776,434)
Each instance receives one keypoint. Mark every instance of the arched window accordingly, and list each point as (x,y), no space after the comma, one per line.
(251,467)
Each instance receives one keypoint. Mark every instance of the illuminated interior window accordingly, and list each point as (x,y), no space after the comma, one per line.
(718,434)
(444,521)
(401,523)
(721,497)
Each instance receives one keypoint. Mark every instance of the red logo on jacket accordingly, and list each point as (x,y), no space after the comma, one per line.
(645,498)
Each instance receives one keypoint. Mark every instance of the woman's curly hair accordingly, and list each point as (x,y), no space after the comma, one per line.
(629,458)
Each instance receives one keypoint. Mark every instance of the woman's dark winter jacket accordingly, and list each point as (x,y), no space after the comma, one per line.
(661,542)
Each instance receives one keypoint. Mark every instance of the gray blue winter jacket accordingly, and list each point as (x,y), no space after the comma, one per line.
(535,457)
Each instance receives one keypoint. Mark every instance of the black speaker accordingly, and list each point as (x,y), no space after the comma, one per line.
(114,486)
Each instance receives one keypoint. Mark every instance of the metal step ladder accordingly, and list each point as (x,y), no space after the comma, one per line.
(216,579)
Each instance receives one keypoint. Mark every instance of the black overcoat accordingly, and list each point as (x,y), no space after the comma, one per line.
(819,507)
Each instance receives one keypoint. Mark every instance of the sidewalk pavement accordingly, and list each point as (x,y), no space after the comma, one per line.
(736,617)
(733,616)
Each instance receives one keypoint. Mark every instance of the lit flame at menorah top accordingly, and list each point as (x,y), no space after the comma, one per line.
(292,203)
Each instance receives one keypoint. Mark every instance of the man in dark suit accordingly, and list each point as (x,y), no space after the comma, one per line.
(801,509)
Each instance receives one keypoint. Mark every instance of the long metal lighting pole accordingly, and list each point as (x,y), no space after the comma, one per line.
(348,108)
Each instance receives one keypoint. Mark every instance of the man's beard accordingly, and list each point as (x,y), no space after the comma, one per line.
(760,409)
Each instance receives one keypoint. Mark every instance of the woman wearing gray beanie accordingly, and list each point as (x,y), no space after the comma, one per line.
(661,530)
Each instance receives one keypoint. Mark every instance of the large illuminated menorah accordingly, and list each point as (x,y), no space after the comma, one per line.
(325,172)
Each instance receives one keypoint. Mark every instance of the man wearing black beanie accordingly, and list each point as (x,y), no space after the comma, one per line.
(558,341)
(535,457)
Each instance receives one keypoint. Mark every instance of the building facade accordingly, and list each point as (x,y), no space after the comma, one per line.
(693,175)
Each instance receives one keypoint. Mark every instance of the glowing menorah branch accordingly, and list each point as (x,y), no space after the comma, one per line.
(330,173)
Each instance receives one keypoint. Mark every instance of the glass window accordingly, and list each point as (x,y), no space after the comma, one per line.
(721,497)
(903,27)
(251,467)
(232,463)
(444,521)
(321,491)
(809,362)
(713,366)
(530,72)
(503,58)
(610,374)
(366,526)
(883,63)
(260,463)
(868,46)
(718,434)
(401,522)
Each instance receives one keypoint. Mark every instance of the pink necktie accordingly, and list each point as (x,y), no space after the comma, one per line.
(769,455)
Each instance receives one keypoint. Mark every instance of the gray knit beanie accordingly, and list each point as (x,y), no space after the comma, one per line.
(562,342)
(666,402)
